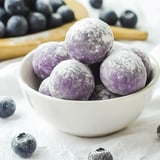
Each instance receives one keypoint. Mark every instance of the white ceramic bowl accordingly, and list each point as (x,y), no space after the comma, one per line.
(85,118)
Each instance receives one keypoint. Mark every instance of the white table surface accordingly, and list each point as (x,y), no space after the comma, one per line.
(136,142)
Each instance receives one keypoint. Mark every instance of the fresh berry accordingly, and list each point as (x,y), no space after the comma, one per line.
(56,4)
(1,2)
(43,7)
(4,16)
(30,3)
(108,16)
(17,26)
(24,145)
(37,22)
(16,7)
(100,154)
(55,20)
(96,3)
(158,131)
(2,29)
(7,106)
(66,13)
(128,19)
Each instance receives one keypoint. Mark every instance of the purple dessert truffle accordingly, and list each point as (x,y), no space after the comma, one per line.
(101,93)
(144,57)
(47,56)
(89,40)
(123,73)
(44,87)
(71,80)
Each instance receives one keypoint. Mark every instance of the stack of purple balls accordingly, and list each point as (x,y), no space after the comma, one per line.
(88,65)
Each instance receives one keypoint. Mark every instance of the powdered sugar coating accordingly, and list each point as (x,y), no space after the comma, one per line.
(101,93)
(89,40)
(71,80)
(123,73)
(144,57)
(44,87)
(47,56)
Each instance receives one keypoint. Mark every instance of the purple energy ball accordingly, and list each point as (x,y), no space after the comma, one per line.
(123,73)
(144,57)
(101,93)
(89,40)
(47,56)
(71,80)
(44,87)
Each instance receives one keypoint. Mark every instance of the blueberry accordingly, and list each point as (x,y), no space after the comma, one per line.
(100,154)
(55,20)
(7,106)
(96,3)
(56,4)
(158,131)
(16,7)
(128,19)
(17,26)
(37,22)
(108,16)
(1,2)
(2,29)
(24,145)
(66,13)
(43,7)
(4,16)
(30,3)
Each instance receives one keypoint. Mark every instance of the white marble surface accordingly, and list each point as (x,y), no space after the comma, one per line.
(137,142)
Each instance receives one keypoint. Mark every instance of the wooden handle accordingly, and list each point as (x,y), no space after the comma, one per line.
(128,34)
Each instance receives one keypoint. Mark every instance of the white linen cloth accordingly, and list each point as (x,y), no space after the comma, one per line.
(137,142)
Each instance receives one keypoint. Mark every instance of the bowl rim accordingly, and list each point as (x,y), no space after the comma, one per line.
(156,73)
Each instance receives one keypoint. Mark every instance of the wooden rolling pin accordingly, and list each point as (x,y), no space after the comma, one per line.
(128,34)
(16,47)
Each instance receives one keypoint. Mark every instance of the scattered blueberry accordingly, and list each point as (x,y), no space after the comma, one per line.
(17,26)
(56,4)
(55,20)
(16,7)
(24,145)
(128,19)
(108,16)
(37,22)
(4,16)
(158,131)
(66,13)
(7,106)
(100,154)
(96,3)
(43,7)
